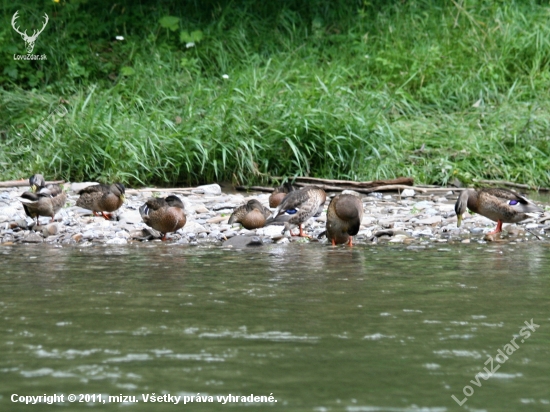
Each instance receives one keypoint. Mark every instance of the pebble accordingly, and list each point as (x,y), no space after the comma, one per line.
(408,193)
(406,218)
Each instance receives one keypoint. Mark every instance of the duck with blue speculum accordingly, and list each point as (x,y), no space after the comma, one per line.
(42,199)
(344,216)
(499,205)
(165,215)
(251,215)
(297,207)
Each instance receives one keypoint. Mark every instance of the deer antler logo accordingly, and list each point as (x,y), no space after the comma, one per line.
(29,40)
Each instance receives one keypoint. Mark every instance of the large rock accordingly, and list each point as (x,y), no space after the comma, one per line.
(209,190)
(33,238)
(408,193)
(129,216)
(274,232)
(243,241)
(193,227)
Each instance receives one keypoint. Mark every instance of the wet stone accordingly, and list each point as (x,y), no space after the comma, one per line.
(33,238)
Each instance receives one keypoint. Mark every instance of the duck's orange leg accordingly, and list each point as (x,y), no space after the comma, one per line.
(350,241)
(302,234)
(498,229)
(107,216)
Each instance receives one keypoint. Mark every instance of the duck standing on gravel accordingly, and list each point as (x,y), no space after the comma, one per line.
(251,215)
(165,215)
(279,194)
(344,216)
(499,205)
(42,199)
(102,198)
(297,207)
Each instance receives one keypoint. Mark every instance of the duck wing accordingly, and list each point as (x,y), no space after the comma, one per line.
(153,203)
(94,189)
(512,200)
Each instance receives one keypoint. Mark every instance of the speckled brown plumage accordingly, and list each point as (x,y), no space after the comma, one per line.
(499,205)
(165,215)
(344,216)
(42,199)
(102,198)
(251,215)
(279,194)
(298,206)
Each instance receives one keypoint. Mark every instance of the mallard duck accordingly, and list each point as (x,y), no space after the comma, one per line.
(298,206)
(499,205)
(102,198)
(251,215)
(344,216)
(279,194)
(42,199)
(165,215)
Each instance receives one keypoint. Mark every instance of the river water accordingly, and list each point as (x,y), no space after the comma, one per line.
(368,328)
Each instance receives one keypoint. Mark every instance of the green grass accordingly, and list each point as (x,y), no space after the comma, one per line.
(341,90)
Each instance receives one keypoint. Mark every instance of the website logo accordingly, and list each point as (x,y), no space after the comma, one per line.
(29,40)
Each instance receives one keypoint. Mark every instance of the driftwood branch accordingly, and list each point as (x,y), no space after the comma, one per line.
(382,188)
(161,189)
(255,189)
(408,181)
(512,184)
(20,183)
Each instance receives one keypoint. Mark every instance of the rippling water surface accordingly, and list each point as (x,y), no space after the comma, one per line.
(373,328)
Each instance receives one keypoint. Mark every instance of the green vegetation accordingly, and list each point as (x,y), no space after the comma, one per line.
(243,90)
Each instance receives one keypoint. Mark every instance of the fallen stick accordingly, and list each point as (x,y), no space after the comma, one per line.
(364,190)
(19,183)
(512,184)
(409,181)
(255,188)
(420,189)
(160,189)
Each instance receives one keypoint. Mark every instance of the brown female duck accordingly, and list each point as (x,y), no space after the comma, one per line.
(499,205)
(42,199)
(102,198)
(298,206)
(165,215)
(344,216)
(251,215)
(279,194)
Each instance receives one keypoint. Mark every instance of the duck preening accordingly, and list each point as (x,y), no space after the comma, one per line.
(344,216)
(499,205)
(165,215)
(102,198)
(42,199)
(279,194)
(251,215)
(297,207)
